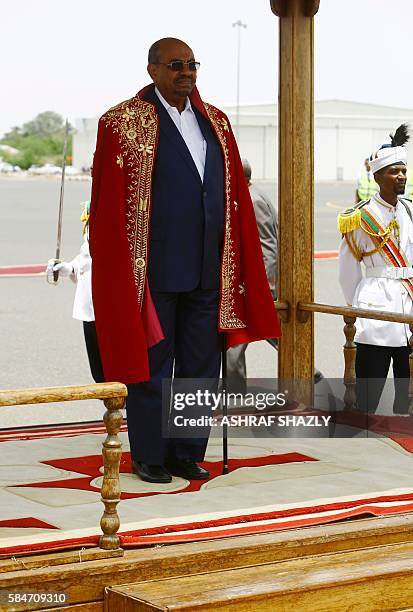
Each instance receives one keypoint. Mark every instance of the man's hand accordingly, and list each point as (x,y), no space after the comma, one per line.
(64,269)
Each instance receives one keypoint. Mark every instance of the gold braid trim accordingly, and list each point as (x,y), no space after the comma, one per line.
(392,225)
(228,318)
(384,235)
(351,219)
(354,250)
(136,124)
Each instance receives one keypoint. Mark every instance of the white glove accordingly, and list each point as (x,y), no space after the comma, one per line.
(64,268)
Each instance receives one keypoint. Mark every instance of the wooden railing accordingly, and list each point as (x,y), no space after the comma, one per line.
(350,315)
(113,396)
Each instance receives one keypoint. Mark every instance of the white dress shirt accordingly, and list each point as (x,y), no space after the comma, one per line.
(187,124)
(379,293)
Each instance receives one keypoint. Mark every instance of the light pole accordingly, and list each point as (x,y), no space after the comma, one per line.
(238,24)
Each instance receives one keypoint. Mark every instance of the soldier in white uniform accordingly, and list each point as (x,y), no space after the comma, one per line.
(379,233)
(79,270)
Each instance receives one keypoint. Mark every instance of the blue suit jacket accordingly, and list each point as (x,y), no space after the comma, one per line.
(187,218)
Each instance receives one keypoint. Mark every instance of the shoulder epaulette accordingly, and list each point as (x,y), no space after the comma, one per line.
(350,219)
(85,214)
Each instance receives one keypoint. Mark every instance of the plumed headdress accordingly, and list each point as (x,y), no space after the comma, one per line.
(393,152)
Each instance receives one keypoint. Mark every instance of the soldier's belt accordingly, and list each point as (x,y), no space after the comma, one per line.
(389,272)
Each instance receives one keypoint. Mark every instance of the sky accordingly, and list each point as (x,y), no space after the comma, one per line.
(78,58)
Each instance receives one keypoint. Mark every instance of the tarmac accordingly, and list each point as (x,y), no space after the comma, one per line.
(41,345)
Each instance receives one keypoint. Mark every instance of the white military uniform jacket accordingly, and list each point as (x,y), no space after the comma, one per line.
(378,293)
(82,275)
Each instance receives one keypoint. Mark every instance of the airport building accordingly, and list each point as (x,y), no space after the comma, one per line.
(345,134)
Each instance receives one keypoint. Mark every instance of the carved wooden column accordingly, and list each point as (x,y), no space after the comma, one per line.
(350,351)
(296,182)
(112,452)
(411,370)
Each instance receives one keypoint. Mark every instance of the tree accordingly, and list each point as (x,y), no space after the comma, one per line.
(39,141)
(44,124)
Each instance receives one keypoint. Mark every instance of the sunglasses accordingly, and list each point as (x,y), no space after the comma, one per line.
(178,65)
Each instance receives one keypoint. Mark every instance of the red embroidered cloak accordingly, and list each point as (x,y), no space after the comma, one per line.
(126,320)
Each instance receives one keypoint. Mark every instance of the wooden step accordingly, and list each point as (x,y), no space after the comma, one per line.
(84,578)
(375,579)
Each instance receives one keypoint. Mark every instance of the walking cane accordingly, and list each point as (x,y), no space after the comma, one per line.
(225,469)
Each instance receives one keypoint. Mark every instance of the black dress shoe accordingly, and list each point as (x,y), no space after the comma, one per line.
(186,468)
(151,473)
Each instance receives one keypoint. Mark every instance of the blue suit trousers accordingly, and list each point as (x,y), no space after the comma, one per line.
(191,349)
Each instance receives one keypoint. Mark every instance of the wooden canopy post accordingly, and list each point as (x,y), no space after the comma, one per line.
(296,183)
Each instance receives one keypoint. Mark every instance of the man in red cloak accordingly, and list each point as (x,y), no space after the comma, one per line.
(177,262)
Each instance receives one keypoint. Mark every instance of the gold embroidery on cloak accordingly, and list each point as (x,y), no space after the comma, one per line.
(228,318)
(136,124)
